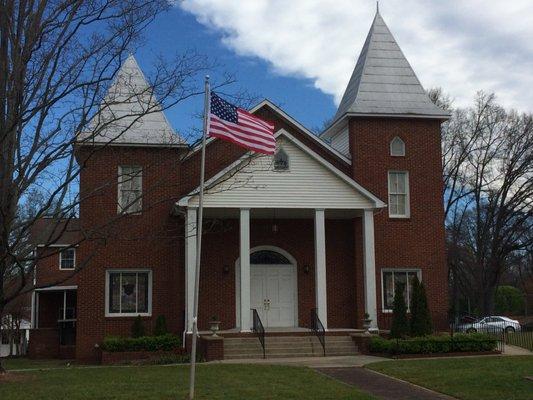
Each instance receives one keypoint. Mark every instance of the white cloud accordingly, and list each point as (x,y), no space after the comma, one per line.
(460,46)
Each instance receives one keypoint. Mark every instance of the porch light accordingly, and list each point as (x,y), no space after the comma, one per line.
(274,227)
(306,268)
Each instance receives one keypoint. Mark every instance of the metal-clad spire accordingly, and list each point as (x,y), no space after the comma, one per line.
(383,82)
(130,114)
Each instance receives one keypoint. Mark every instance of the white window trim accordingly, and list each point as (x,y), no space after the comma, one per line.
(134,314)
(120,209)
(61,264)
(383,270)
(407,195)
(390,147)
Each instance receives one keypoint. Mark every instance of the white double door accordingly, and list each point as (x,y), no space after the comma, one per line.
(273,293)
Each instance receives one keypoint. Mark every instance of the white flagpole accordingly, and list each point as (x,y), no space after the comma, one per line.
(207,106)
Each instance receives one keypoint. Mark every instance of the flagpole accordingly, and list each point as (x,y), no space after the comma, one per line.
(207,105)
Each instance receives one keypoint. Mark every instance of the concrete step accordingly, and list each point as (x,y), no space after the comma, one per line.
(280,346)
(287,346)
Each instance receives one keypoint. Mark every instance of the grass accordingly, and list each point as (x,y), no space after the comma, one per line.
(171,382)
(26,363)
(489,378)
(520,339)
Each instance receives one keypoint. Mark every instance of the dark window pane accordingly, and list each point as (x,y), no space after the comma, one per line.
(114,292)
(67,259)
(388,287)
(129,292)
(142,305)
(400,282)
(268,257)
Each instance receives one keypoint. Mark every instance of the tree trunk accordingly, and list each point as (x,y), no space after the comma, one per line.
(488,300)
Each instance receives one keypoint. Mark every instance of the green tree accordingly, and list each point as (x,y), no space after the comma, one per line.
(420,324)
(137,329)
(508,300)
(400,324)
(160,326)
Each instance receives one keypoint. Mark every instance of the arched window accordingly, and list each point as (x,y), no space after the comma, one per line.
(397,147)
(281,160)
(268,257)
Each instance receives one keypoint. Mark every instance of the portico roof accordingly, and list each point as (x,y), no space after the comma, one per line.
(310,182)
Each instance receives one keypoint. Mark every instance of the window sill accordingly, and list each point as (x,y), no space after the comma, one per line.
(400,217)
(132,316)
(390,311)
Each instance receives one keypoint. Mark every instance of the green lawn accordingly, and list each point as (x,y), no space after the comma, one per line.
(170,382)
(26,363)
(488,378)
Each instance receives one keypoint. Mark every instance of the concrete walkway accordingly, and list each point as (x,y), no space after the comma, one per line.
(382,386)
(312,362)
(510,350)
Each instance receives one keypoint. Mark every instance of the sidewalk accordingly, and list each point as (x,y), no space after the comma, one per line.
(510,350)
(381,386)
(311,362)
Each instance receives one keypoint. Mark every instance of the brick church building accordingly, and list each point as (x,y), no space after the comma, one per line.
(331,223)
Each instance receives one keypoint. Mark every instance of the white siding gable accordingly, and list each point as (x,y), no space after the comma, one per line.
(340,143)
(307,184)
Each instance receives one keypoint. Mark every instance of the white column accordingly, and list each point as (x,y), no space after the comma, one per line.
(370,267)
(245,269)
(33,309)
(190,265)
(320,267)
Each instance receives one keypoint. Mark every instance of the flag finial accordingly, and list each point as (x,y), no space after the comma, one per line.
(377,7)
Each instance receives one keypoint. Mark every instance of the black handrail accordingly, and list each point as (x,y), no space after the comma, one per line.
(259,329)
(318,328)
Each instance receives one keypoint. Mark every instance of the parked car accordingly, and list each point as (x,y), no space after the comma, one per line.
(490,324)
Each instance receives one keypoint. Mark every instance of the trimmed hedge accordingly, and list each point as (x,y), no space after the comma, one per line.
(144,343)
(472,342)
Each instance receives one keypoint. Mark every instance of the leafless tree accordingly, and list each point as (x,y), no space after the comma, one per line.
(488,196)
(57,61)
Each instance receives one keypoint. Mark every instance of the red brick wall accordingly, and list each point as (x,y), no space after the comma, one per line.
(150,240)
(154,239)
(419,240)
(48,272)
(217,288)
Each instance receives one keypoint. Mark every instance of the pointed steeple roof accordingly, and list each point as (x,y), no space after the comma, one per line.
(383,82)
(130,114)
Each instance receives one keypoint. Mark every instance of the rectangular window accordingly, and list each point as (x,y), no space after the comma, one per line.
(398,194)
(128,292)
(67,259)
(129,189)
(391,279)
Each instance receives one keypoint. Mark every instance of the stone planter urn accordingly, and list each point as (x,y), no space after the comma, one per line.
(214,326)
(367,323)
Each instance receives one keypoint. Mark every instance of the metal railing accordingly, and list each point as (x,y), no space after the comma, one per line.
(259,329)
(318,328)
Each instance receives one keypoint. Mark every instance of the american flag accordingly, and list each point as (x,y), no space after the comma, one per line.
(229,122)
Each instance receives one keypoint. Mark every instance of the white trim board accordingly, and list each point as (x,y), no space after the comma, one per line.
(55,288)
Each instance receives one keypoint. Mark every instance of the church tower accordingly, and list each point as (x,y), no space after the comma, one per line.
(390,129)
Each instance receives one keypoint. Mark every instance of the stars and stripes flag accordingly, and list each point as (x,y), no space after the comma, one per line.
(231,123)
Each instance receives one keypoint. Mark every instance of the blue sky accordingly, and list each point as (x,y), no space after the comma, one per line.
(300,53)
(177,31)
